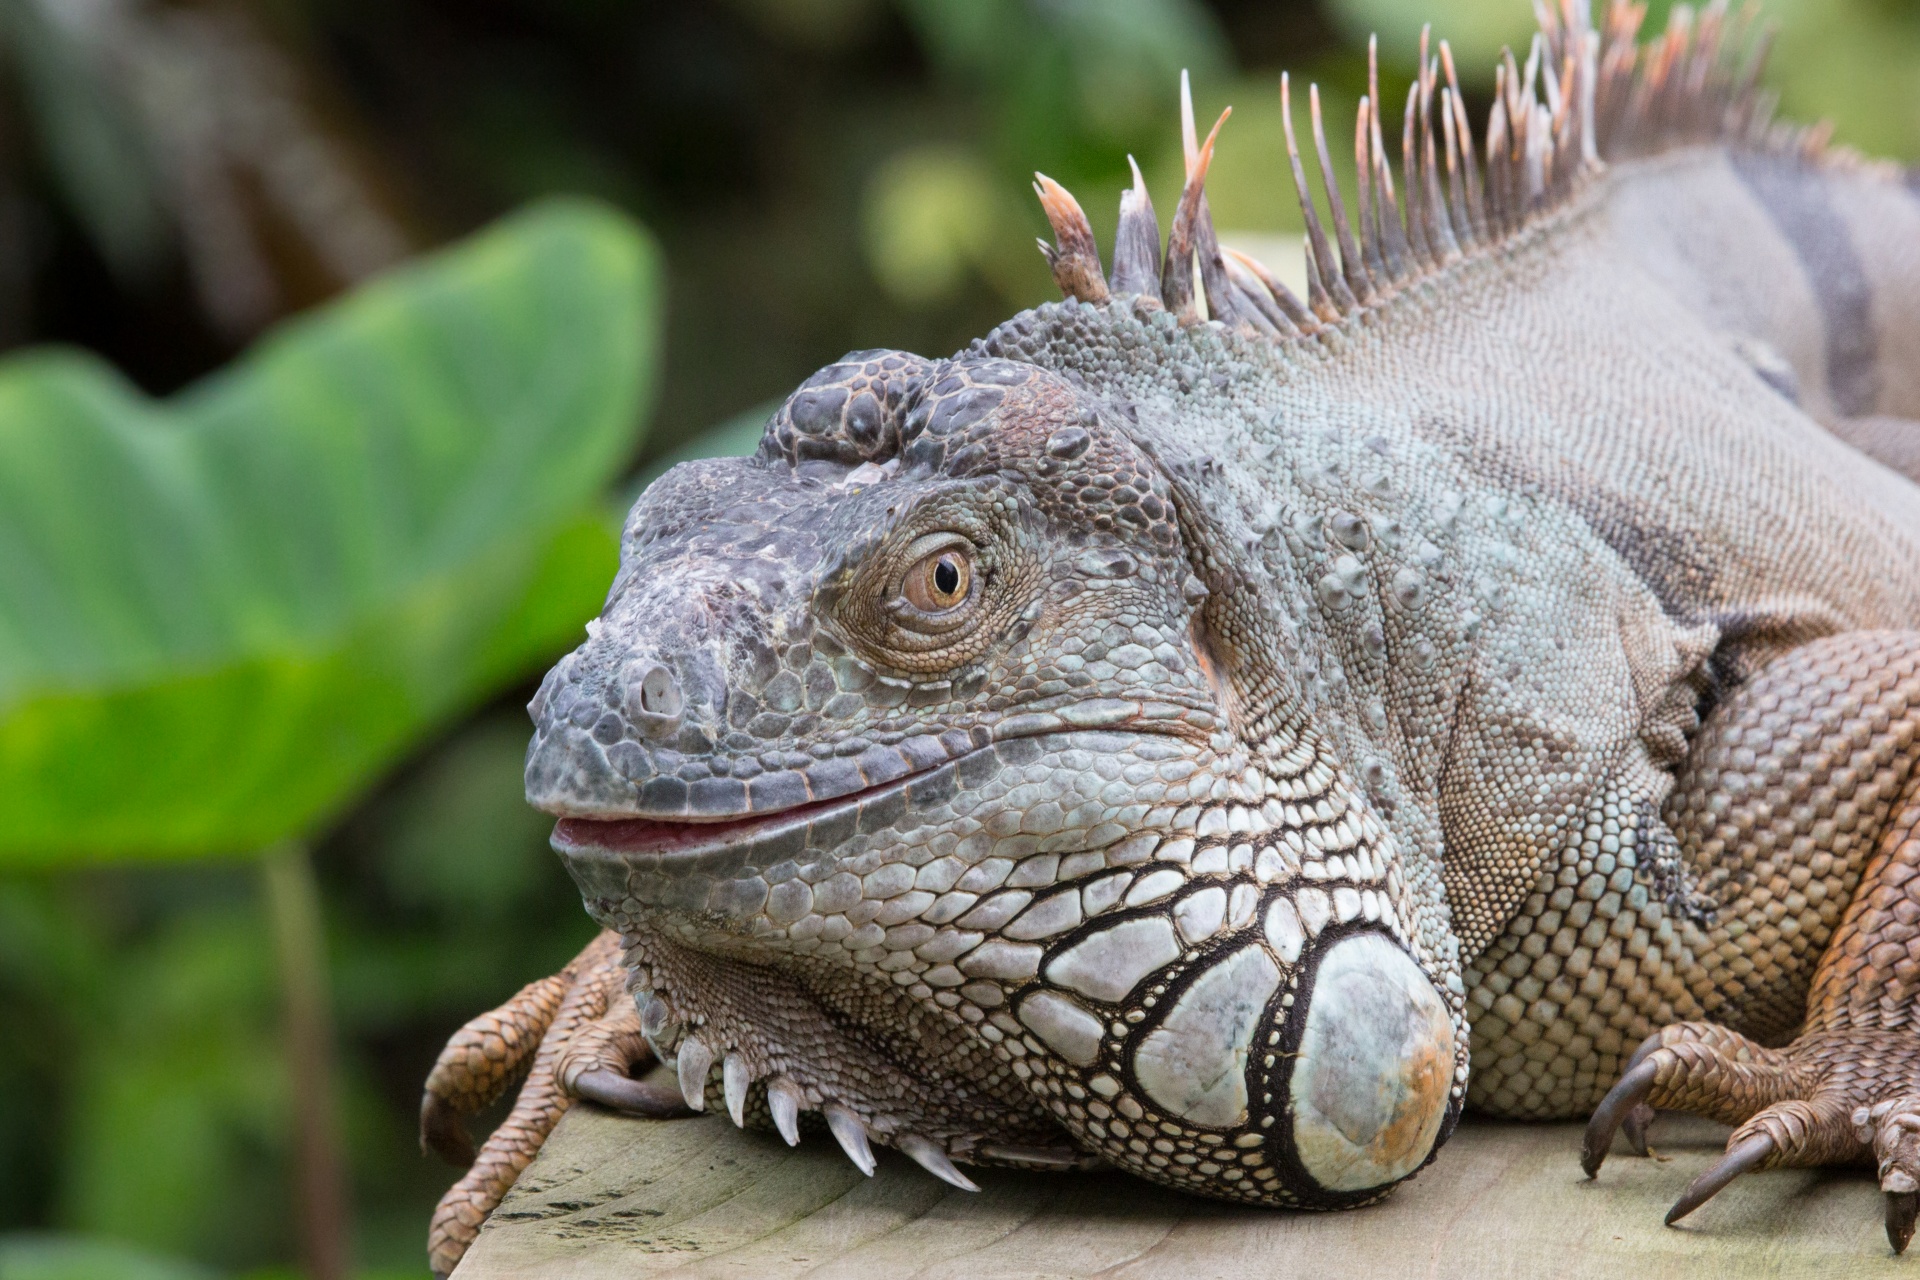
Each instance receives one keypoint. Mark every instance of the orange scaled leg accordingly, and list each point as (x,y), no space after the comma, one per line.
(573,1035)
(1847,1088)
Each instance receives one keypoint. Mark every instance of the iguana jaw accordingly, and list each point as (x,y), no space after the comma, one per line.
(739,993)
(644,839)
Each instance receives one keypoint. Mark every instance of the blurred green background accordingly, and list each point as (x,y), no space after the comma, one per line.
(273,590)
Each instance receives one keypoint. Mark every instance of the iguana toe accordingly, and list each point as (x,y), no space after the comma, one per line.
(1633,1127)
(573,1035)
(481,1061)
(1892,1127)
(1830,1097)
(621,1092)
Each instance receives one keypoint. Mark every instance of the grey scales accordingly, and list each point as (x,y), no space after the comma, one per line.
(1222,735)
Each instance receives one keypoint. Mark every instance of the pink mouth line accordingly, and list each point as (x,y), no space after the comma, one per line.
(679,838)
(652,838)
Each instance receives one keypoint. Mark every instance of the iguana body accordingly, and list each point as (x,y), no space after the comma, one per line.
(1228,748)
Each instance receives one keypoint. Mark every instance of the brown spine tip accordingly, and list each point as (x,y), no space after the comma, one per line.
(1470,162)
(1177,277)
(1456,180)
(1433,203)
(1499,199)
(1582,92)
(1423,250)
(1253,289)
(1393,246)
(1217,286)
(1363,187)
(1075,257)
(1295,310)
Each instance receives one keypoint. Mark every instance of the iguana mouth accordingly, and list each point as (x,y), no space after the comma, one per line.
(816,824)
(766,835)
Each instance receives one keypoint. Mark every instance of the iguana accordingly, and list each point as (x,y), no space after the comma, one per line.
(1224,735)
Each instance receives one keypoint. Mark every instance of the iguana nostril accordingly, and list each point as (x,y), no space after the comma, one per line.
(653,697)
(659,695)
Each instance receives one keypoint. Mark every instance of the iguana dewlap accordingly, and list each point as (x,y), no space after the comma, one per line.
(1224,736)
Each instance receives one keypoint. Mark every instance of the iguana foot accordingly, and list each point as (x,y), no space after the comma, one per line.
(573,1035)
(1831,1097)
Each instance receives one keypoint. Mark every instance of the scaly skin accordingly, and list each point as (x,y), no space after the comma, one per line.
(1227,749)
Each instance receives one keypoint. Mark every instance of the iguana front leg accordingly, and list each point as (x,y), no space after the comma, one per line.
(1797,780)
(572,1035)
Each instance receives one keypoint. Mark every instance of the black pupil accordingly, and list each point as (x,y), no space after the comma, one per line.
(946,577)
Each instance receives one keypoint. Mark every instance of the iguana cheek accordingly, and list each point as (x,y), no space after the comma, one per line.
(1369,1088)
(1195,1063)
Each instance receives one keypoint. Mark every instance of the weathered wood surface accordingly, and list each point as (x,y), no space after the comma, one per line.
(617,1197)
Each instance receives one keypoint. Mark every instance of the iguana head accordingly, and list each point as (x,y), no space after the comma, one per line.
(928,791)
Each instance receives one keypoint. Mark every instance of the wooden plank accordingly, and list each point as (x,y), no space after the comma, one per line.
(614,1197)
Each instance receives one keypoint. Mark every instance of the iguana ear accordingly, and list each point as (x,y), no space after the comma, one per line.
(1241,628)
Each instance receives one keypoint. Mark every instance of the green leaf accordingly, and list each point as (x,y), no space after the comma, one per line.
(222,615)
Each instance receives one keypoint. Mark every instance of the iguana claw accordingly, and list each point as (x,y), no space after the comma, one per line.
(1892,1127)
(737,1077)
(443,1131)
(635,1097)
(693,1063)
(1746,1156)
(935,1161)
(1901,1207)
(784,1101)
(1620,1104)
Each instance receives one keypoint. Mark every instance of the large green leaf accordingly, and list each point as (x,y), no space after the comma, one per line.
(222,614)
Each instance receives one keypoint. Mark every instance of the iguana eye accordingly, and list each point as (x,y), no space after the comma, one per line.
(939,582)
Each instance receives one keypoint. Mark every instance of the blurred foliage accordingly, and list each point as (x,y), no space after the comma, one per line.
(221,617)
(1476,29)
(28,1257)
(192,128)
(821,175)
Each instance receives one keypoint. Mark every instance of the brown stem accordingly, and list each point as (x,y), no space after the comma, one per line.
(293,901)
